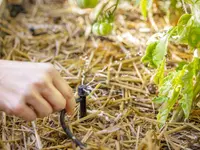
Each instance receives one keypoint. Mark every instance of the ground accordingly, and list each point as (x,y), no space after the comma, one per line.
(121,114)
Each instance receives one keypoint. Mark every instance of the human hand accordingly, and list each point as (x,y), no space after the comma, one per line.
(30,90)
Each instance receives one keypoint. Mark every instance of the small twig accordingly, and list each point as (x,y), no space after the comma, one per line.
(137,138)
(38,140)
(184,6)
(176,129)
(86,118)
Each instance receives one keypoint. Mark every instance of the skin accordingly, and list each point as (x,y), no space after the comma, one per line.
(33,90)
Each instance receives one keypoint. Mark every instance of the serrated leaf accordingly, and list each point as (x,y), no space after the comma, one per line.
(156,52)
(183,29)
(168,105)
(157,49)
(187,90)
(147,58)
(171,87)
(167,84)
(160,51)
(186,102)
(158,78)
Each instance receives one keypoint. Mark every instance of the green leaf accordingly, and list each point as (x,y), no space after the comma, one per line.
(183,29)
(160,99)
(167,84)
(157,49)
(168,105)
(183,33)
(162,115)
(147,58)
(171,87)
(194,37)
(184,19)
(160,51)
(158,78)
(186,102)
(181,65)
(156,52)
(187,90)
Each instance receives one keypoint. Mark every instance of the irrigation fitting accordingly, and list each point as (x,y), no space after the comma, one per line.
(83,112)
(82,100)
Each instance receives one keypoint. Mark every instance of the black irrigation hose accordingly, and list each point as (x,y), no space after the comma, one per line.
(67,131)
(82,100)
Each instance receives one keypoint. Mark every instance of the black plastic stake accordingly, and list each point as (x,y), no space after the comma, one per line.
(82,94)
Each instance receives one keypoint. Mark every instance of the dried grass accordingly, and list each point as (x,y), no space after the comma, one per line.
(120,112)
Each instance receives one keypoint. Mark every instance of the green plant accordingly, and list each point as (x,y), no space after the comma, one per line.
(104,17)
(103,24)
(179,89)
(102,28)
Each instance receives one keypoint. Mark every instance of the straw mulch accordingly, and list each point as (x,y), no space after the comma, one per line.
(121,114)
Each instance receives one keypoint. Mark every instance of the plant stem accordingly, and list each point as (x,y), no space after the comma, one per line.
(177,115)
(116,5)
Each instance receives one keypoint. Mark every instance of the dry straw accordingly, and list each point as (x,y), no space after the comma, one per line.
(121,115)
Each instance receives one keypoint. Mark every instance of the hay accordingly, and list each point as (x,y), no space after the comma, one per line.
(121,114)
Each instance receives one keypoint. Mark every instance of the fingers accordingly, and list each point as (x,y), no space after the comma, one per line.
(50,95)
(38,85)
(47,98)
(54,97)
(24,112)
(65,90)
(41,106)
